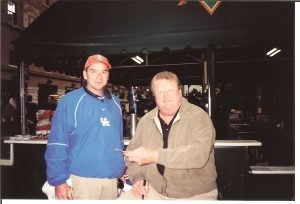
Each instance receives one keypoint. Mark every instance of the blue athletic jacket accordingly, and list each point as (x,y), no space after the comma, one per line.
(84,133)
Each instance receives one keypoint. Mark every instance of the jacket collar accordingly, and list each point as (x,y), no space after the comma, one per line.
(181,113)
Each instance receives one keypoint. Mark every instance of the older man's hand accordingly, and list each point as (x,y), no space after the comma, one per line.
(139,189)
(142,155)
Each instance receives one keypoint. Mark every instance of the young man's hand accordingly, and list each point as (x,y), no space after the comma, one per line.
(63,192)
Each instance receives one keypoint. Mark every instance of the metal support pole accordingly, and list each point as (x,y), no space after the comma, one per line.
(133,123)
(205,81)
(22,97)
(211,80)
(146,59)
(209,101)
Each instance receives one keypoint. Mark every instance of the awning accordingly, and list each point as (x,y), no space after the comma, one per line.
(172,37)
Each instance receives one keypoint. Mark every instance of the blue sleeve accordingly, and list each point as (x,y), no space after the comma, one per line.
(57,152)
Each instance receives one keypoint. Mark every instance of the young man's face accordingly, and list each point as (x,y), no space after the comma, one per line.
(96,76)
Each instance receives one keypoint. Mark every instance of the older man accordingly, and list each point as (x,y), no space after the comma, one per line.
(171,155)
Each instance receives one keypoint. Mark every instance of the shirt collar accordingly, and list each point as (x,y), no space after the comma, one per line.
(105,91)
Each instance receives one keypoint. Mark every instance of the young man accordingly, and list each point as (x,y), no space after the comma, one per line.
(171,155)
(86,129)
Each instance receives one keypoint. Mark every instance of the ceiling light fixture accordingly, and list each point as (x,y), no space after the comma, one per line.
(273,52)
(137,59)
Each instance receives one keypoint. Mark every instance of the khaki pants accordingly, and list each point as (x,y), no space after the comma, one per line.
(154,195)
(94,188)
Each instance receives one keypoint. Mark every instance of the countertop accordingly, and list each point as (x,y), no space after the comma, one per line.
(218,143)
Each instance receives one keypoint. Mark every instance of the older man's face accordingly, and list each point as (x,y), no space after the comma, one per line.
(168,96)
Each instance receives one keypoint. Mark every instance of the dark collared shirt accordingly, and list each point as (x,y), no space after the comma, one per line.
(165,131)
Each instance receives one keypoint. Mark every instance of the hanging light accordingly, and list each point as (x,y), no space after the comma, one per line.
(273,52)
(137,59)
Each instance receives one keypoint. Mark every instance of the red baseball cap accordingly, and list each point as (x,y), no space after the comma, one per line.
(97,59)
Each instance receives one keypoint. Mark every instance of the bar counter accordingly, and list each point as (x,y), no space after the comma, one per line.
(218,143)
(15,140)
(24,174)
